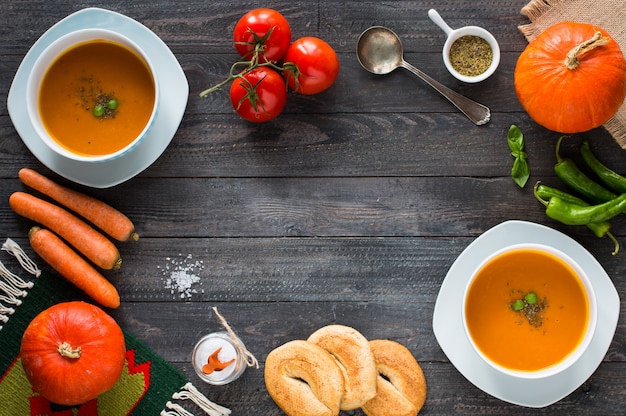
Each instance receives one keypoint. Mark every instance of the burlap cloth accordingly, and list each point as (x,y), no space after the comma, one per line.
(607,14)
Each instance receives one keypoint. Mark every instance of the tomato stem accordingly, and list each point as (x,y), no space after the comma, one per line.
(253,63)
(251,95)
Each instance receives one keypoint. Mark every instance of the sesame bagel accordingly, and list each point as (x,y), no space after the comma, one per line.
(304,379)
(352,352)
(401,383)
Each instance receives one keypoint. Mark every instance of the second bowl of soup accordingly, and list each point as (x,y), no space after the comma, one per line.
(92,95)
(529,311)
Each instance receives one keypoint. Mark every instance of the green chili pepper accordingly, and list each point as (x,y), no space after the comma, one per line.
(547,192)
(600,229)
(571,214)
(544,193)
(576,179)
(610,178)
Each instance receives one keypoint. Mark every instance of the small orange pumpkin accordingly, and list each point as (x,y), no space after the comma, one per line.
(571,78)
(72,352)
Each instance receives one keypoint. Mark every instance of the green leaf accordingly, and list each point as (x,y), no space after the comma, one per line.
(515,138)
(520,172)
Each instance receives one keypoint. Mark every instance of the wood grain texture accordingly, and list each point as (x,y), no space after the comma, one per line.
(349,208)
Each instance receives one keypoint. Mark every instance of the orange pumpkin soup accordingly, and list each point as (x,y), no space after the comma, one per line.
(526,310)
(96,73)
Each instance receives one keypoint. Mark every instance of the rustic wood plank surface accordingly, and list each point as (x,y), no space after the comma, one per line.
(348,208)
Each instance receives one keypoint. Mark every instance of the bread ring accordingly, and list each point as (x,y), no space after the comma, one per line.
(304,380)
(355,359)
(401,382)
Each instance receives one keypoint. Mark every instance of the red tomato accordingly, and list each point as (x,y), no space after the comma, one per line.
(317,65)
(260,95)
(253,28)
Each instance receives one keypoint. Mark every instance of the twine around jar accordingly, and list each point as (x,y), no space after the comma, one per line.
(251,360)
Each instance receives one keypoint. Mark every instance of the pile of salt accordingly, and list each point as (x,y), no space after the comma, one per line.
(181,275)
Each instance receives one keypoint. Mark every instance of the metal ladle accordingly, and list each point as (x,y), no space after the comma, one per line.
(379,51)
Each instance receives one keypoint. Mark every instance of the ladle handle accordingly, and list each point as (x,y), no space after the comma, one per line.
(476,112)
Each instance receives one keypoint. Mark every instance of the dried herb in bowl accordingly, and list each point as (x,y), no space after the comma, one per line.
(471,55)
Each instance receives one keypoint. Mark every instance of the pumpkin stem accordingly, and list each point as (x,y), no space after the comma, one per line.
(67,351)
(571,60)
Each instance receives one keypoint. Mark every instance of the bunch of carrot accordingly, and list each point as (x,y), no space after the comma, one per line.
(65,225)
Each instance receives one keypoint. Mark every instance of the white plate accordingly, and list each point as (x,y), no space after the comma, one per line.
(172,81)
(448,325)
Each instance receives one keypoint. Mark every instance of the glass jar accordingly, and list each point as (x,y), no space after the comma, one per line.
(228,351)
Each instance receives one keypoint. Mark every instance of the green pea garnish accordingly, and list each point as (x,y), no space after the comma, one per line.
(531,298)
(530,307)
(518,305)
(98,110)
(112,104)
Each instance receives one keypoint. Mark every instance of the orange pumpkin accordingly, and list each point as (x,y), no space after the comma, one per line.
(72,352)
(571,78)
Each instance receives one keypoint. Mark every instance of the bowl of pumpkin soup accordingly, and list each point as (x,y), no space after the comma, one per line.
(92,95)
(529,311)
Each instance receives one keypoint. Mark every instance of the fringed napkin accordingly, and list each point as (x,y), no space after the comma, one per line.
(607,14)
(148,386)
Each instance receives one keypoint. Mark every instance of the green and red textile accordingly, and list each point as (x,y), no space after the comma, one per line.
(148,386)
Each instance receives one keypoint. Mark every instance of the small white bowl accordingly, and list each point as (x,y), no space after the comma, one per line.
(454,34)
(582,346)
(48,56)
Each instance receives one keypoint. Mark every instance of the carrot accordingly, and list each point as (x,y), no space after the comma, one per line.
(108,219)
(95,246)
(73,267)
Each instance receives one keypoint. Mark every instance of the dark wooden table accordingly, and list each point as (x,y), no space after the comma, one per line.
(349,208)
